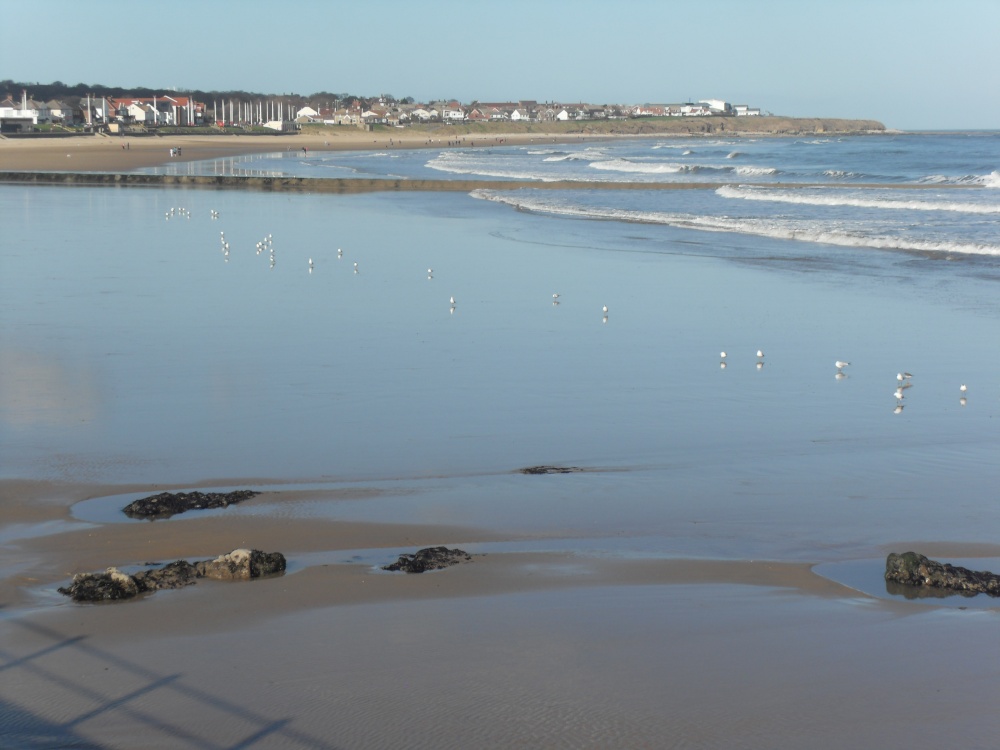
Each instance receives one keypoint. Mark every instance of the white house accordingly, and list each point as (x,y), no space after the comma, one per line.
(717,106)
(742,110)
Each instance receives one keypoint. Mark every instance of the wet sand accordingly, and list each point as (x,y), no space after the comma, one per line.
(526,649)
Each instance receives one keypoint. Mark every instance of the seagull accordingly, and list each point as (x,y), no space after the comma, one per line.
(605,309)
(901,376)
(760,354)
(452,300)
(963,388)
(310,264)
(555,296)
(722,355)
(841,365)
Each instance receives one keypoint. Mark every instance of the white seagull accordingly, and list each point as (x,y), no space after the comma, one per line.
(963,388)
(760,354)
(605,308)
(841,365)
(901,376)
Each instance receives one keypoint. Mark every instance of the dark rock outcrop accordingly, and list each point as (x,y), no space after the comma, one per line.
(429,558)
(914,569)
(113,584)
(172,576)
(167,504)
(242,565)
(550,470)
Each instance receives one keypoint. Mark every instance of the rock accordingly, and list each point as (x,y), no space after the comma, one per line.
(550,470)
(167,504)
(111,585)
(173,576)
(429,558)
(238,565)
(913,569)
(242,564)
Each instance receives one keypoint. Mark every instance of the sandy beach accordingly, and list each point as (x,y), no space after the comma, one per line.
(106,153)
(682,590)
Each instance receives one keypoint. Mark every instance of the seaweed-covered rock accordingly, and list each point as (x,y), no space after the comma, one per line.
(550,470)
(429,558)
(167,504)
(174,575)
(111,585)
(916,570)
(242,564)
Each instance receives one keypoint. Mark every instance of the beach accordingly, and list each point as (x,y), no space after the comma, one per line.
(702,567)
(111,153)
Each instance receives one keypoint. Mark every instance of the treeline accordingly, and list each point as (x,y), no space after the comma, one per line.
(71,94)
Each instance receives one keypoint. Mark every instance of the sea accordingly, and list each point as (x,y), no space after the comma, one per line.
(671,348)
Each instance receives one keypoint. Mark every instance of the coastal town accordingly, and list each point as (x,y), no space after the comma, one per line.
(24,114)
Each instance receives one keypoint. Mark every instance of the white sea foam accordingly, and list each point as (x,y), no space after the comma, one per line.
(755,171)
(991,180)
(836,198)
(455,164)
(624,165)
(773,228)
(733,154)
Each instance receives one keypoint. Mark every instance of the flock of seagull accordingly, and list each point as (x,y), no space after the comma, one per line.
(903,379)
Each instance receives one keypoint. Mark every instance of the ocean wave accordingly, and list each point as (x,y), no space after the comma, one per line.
(840,174)
(624,165)
(771,228)
(991,180)
(755,171)
(585,156)
(456,163)
(833,199)
(734,154)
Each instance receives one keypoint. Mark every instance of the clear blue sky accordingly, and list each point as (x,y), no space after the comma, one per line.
(913,64)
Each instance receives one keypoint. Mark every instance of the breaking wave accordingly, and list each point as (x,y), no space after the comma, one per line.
(624,165)
(826,199)
(991,180)
(771,228)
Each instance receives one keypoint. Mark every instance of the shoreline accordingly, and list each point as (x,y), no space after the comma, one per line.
(121,153)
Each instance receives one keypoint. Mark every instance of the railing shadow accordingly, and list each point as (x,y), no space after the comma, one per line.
(34,728)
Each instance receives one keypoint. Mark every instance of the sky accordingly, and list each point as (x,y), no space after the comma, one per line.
(911,64)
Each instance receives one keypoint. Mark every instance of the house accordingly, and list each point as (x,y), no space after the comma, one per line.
(717,106)
(60,111)
(742,110)
(453,112)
